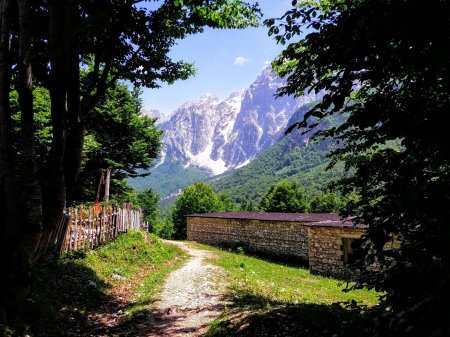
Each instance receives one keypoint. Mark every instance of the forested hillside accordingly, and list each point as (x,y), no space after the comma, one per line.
(169,177)
(305,164)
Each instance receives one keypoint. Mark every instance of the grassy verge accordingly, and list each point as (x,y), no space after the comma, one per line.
(96,292)
(274,299)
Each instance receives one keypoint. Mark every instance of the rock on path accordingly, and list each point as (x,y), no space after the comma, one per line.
(191,297)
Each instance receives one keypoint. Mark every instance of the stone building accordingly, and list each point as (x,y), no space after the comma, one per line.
(329,246)
(323,241)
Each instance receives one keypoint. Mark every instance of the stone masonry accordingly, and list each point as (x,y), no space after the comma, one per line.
(272,237)
(321,240)
(327,248)
(316,239)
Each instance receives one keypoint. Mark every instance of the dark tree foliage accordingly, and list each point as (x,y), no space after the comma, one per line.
(392,59)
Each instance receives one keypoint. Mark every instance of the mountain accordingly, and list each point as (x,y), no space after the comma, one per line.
(293,157)
(218,135)
(210,136)
(154,114)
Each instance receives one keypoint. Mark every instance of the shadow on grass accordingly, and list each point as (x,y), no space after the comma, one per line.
(254,315)
(62,296)
(69,298)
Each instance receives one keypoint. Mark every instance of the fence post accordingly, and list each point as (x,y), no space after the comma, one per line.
(63,238)
(82,216)
(94,234)
(90,229)
(114,222)
(75,238)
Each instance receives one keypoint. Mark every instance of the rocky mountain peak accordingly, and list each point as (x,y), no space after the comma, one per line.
(155,114)
(222,134)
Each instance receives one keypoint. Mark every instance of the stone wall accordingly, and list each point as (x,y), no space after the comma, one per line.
(326,249)
(281,238)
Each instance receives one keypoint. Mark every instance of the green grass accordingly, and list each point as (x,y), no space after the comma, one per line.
(272,298)
(70,294)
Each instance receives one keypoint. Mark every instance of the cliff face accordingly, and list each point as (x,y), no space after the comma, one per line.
(219,135)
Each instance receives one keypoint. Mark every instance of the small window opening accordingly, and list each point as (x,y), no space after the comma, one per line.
(349,254)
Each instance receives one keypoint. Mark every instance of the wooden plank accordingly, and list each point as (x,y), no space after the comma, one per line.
(75,239)
(90,230)
(82,227)
(109,223)
(63,237)
(66,237)
(100,229)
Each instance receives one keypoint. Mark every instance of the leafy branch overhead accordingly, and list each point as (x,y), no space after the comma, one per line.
(384,65)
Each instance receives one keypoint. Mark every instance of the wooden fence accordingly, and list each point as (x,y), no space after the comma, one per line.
(87,227)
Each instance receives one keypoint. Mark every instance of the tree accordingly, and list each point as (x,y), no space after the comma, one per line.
(121,138)
(326,203)
(286,197)
(148,201)
(50,43)
(385,64)
(247,205)
(225,200)
(197,198)
(117,136)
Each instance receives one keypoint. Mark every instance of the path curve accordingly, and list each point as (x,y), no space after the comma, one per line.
(192,297)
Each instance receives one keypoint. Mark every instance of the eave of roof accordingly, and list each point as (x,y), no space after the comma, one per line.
(293,217)
(340,224)
(308,219)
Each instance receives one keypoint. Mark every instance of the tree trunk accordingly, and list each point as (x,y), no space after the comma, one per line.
(21,235)
(107,181)
(73,155)
(9,193)
(53,182)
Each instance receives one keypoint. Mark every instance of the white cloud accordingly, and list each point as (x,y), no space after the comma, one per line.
(266,64)
(240,61)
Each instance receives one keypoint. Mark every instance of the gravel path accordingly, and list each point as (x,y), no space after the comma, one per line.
(191,297)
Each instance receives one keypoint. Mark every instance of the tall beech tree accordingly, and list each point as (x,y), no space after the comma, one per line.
(49,43)
(386,64)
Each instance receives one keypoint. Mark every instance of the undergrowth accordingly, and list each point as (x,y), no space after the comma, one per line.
(80,293)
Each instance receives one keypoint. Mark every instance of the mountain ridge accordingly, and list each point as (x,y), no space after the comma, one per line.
(218,135)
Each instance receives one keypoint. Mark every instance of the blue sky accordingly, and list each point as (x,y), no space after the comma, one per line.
(226,61)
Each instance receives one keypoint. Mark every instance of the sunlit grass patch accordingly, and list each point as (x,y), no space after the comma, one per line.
(270,298)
